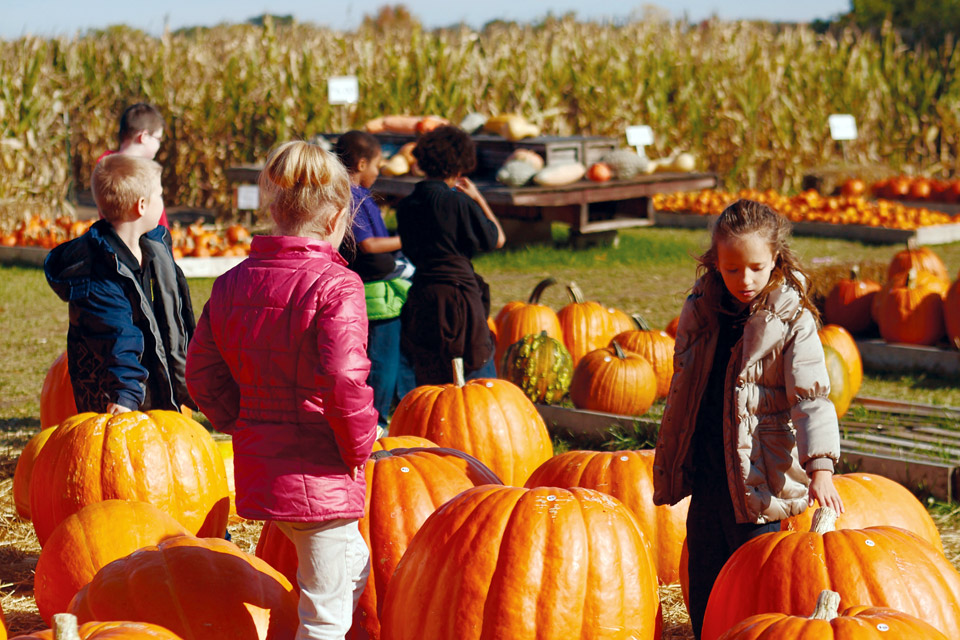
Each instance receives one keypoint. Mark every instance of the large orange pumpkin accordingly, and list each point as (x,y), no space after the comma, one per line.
(919,258)
(826,623)
(614,381)
(871,500)
(882,566)
(160,457)
(115,630)
(490,419)
(628,477)
(951,313)
(657,347)
(88,540)
(404,486)
(840,339)
(523,319)
(524,564)
(24,470)
(585,324)
(56,397)
(909,308)
(197,588)
(848,303)
(621,321)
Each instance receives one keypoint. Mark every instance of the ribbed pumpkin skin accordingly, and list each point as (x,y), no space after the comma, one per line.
(628,477)
(911,311)
(841,340)
(856,623)
(605,382)
(784,572)
(225,447)
(117,630)
(871,500)
(951,314)
(489,419)
(24,471)
(160,457)
(839,376)
(848,304)
(524,320)
(586,327)
(91,538)
(388,443)
(199,588)
(56,397)
(657,347)
(525,564)
(620,321)
(919,258)
(540,365)
(404,486)
(671,329)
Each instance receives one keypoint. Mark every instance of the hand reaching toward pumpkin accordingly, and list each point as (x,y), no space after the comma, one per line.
(116,409)
(823,491)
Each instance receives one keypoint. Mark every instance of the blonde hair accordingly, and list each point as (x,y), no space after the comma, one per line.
(744,217)
(305,187)
(119,181)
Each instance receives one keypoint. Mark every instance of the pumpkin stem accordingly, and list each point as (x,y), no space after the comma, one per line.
(824,520)
(540,288)
(65,627)
(617,349)
(574,292)
(855,272)
(458,378)
(828,606)
(640,321)
(383,453)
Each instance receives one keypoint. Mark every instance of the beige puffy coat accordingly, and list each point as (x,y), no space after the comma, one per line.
(778,422)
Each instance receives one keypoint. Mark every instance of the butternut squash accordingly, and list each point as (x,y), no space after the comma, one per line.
(511,126)
(557,175)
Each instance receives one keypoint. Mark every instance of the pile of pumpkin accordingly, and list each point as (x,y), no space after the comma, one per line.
(809,206)
(905,187)
(130,511)
(46,233)
(916,305)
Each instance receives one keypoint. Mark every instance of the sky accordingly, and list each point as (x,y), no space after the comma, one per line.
(67,17)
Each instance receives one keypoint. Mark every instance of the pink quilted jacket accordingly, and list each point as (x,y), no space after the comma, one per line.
(279,362)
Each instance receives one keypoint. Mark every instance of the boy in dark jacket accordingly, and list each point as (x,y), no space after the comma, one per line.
(130,311)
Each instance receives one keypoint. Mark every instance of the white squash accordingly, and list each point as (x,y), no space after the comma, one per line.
(557,175)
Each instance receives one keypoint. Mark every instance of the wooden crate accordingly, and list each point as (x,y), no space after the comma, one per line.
(879,355)
(917,445)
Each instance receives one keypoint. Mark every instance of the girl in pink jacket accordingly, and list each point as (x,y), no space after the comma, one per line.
(279,362)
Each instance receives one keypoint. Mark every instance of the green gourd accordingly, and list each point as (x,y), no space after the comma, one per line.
(540,365)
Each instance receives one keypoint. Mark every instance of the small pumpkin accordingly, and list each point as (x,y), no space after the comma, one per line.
(523,319)
(114,630)
(840,339)
(56,397)
(848,302)
(197,588)
(540,365)
(225,447)
(920,258)
(909,308)
(614,381)
(490,419)
(24,470)
(585,324)
(827,623)
(506,562)
(657,347)
(839,376)
(88,540)
(671,329)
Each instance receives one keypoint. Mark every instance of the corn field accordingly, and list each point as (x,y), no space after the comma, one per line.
(750,100)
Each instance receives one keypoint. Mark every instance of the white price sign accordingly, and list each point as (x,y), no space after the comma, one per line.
(248,197)
(343,90)
(639,136)
(843,126)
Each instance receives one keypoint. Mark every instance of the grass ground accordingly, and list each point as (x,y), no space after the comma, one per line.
(648,272)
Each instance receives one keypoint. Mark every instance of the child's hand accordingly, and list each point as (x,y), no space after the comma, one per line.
(466,186)
(116,409)
(823,491)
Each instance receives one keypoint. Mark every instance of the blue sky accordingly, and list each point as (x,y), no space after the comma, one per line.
(66,17)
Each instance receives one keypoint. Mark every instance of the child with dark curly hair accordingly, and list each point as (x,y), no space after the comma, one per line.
(442,224)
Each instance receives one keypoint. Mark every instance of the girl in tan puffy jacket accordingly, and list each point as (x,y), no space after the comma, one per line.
(748,430)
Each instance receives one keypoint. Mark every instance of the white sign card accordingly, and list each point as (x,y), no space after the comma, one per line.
(248,197)
(843,126)
(639,136)
(343,90)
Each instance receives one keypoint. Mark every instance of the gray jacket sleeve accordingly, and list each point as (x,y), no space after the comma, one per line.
(808,386)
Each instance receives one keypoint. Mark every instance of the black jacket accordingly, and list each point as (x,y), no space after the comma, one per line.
(120,348)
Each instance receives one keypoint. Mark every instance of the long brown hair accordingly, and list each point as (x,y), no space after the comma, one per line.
(744,217)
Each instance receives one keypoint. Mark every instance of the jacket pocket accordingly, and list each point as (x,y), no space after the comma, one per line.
(777,459)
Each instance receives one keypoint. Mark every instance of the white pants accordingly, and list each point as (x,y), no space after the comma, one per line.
(333,563)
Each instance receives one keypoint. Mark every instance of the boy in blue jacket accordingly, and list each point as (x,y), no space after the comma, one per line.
(130,312)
